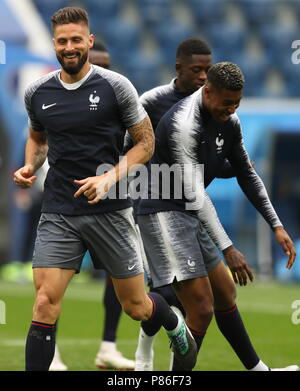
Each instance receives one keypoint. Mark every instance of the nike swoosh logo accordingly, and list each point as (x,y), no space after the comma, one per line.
(131,267)
(191,263)
(45,107)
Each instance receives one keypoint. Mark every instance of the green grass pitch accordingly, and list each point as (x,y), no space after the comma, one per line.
(266,308)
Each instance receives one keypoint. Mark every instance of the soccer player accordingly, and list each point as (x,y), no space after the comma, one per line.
(108,357)
(99,55)
(77,117)
(226,312)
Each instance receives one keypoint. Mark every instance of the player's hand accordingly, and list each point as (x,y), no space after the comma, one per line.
(238,266)
(94,188)
(24,177)
(287,245)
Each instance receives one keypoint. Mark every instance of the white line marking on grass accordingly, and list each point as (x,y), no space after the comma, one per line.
(19,342)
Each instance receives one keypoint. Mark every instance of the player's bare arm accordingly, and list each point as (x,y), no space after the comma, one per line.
(94,188)
(143,138)
(287,245)
(35,155)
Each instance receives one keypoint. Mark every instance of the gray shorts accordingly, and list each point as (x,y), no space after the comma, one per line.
(112,239)
(177,247)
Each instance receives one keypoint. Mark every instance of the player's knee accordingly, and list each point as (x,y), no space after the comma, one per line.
(227,298)
(206,310)
(46,308)
(232,293)
(135,309)
(201,311)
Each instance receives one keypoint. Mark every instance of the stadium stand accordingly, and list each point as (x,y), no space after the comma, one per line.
(211,19)
(154,12)
(258,12)
(269,71)
(10,28)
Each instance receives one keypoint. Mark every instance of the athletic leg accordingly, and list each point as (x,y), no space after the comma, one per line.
(171,245)
(154,312)
(112,312)
(145,353)
(229,320)
(197,299)
(50,285)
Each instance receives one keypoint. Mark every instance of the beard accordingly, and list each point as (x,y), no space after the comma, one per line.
(72,69)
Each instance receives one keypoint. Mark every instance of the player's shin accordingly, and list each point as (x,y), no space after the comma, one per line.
(40,346)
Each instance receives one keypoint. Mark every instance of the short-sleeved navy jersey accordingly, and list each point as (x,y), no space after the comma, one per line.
(85,124)
(159,100)
(188,135)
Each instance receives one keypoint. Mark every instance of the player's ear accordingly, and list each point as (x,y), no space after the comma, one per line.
(206,90)
(178,67)
(91,40)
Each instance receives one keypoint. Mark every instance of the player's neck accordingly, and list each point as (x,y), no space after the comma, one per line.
(179,85)
(70,79)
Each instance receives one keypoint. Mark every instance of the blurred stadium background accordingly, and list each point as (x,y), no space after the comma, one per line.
(261,36)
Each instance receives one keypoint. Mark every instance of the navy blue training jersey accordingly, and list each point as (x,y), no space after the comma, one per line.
(85,124)
(159,100)
(187,136)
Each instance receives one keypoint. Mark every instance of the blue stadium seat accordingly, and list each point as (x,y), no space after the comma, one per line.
(10,29)
(208,11)
(143,71)
(102,12)
(121,38)
(258,12)
(277,40)
(295,4)
(255,72)
(47,8)
(291,75)
(154,12)
(226,39)
(103,8)
(169,36)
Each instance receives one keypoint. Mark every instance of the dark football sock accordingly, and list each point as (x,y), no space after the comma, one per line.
(40,346)
(113,311)
(162,315)
(168,293)
(232,327)
(198,337)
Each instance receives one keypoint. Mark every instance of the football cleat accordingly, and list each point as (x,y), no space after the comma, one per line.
(183,346)
(57,364)
(143,365)
(113,359)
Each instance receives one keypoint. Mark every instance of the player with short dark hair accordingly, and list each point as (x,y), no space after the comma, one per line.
(78,116)
(223,77)
(108,357)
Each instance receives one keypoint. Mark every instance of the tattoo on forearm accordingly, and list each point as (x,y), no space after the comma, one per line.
(40,156)
(142,134)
